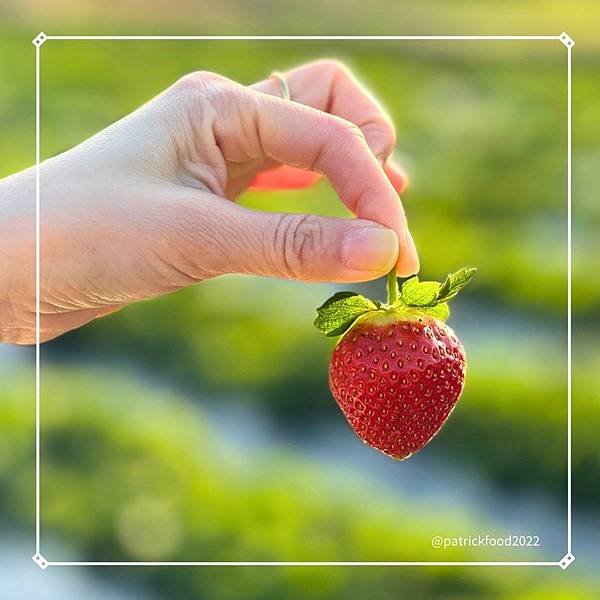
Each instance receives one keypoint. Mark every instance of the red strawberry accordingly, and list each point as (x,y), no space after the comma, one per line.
(399,370)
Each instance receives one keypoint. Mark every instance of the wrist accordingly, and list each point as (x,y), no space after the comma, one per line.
(17,258)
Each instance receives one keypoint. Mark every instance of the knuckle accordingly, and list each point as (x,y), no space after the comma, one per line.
(298,238)
(385,125)
(351,133)
(380,130)
(333,65)
(203,83)
(345,132)
(376,126)
(343,136)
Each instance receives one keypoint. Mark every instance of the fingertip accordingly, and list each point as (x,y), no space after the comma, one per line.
(401,183)
(404,269)
(408,257)
(396,175)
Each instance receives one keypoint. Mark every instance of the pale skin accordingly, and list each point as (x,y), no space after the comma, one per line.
(147,206)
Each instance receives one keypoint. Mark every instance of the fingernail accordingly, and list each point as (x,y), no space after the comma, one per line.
(370,249)
(409,257)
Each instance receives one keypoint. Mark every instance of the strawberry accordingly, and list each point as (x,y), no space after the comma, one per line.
(398,370)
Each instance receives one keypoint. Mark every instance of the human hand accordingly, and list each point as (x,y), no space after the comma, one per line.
(145,207)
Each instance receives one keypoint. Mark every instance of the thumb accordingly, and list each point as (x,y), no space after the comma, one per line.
(233,239)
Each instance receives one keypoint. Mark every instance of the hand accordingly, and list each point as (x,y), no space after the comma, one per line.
(145,207)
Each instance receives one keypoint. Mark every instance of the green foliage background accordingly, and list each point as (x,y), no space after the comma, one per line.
(136,464)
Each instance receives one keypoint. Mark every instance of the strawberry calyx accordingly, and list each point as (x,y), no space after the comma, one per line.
(412,300)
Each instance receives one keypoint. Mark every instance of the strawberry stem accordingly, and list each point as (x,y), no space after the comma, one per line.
(393,293)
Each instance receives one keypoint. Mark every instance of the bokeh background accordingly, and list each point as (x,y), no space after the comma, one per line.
(199,426)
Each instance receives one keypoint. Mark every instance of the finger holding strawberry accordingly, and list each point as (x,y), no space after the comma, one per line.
(398,370)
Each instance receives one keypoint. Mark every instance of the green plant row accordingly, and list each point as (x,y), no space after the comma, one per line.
(147,479)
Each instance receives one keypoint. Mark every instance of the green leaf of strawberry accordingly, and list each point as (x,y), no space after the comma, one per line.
(454,283)
(415,300)
(419,293)
(341,311)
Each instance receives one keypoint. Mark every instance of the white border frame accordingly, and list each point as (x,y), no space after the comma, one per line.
(44,563)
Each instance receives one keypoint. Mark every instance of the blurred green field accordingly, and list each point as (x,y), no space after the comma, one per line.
(146,480)
(132,452)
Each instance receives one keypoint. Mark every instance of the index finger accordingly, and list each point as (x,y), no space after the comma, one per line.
(301,136)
